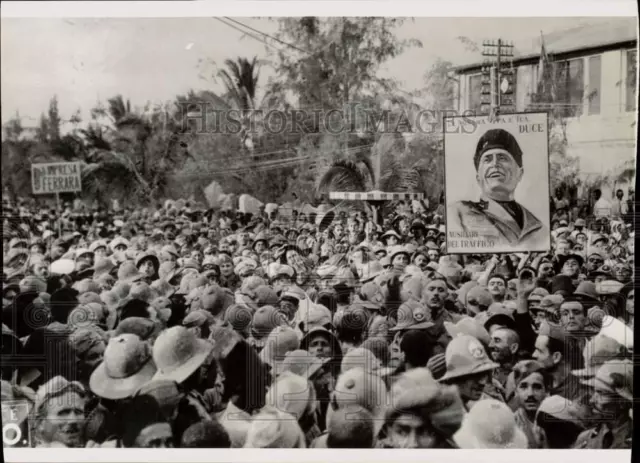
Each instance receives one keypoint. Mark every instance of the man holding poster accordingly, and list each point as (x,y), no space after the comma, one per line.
(496,220)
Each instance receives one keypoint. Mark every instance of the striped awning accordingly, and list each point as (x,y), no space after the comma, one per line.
(374,196)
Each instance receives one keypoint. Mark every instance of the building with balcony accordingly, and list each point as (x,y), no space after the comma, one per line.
(596,85)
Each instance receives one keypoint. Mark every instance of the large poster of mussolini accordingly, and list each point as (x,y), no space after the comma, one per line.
(497,183)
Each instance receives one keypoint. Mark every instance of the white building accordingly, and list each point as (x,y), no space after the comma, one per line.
(600,62)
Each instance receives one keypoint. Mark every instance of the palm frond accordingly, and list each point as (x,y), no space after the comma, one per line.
(342,176)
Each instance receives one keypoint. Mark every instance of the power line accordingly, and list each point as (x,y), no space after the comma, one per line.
(267,35)
(246,33)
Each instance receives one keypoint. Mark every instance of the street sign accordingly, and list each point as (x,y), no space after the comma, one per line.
(55,178)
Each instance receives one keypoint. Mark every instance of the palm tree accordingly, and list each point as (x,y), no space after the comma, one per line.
(356,174)
(241,81)
(383,169)
(136,157)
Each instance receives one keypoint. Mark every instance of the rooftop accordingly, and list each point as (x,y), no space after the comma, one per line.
(592,34)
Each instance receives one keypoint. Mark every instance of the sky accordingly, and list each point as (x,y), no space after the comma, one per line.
(83,61)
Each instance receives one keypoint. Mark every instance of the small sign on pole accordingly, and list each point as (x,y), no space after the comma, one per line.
(56,178)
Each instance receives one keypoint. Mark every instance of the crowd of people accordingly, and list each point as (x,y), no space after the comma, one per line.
(186,327)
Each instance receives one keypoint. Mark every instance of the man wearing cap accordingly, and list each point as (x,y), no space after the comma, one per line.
(612,400)
(497,215)
(59,414)
(469,368)
(182,357)
(421,413)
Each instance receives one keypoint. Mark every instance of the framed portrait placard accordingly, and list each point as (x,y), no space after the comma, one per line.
(497,183)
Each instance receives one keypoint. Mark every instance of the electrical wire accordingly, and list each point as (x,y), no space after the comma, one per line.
(247,33)
(267,35)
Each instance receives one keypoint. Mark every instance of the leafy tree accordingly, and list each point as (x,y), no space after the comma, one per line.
(54,120)
(335,60)
(440,86)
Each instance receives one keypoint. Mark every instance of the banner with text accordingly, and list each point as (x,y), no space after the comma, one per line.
(497,183)
(57,177)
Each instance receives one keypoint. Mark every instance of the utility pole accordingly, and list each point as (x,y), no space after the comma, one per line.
(498,77)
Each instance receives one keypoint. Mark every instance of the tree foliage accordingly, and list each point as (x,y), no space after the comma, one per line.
(157,151)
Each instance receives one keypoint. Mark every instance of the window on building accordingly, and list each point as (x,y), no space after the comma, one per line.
(593,90)
(570,87)
(632,69)
(475,93)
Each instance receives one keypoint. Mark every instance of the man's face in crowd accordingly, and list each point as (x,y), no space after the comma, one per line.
(434,255)
(226,268)
(396,356)
(324,382)
(155,436)
(571,268)
(619,194)
(435,294)
(65,420)
(503,345)
(546,271)
(338,230)
(88,258)
(594,262)
(101,252)
(542,353)
(600,279)
(531,391)
(572,316)
(498,174)
(622,273)
(197,256)
(147,268)
(292,257)
(471,387)
(261,247)
(121,248)
(410,431)
(421,261)
(538,316)
(319,346)
(403,226)
(400,261)
(497,287)
(353,226)
(600,245)
(92,358)
(581,239)
(562,247)
(629,303)
(41,270)
(289,308)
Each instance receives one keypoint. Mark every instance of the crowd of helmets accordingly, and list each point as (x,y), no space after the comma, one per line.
(182,327)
